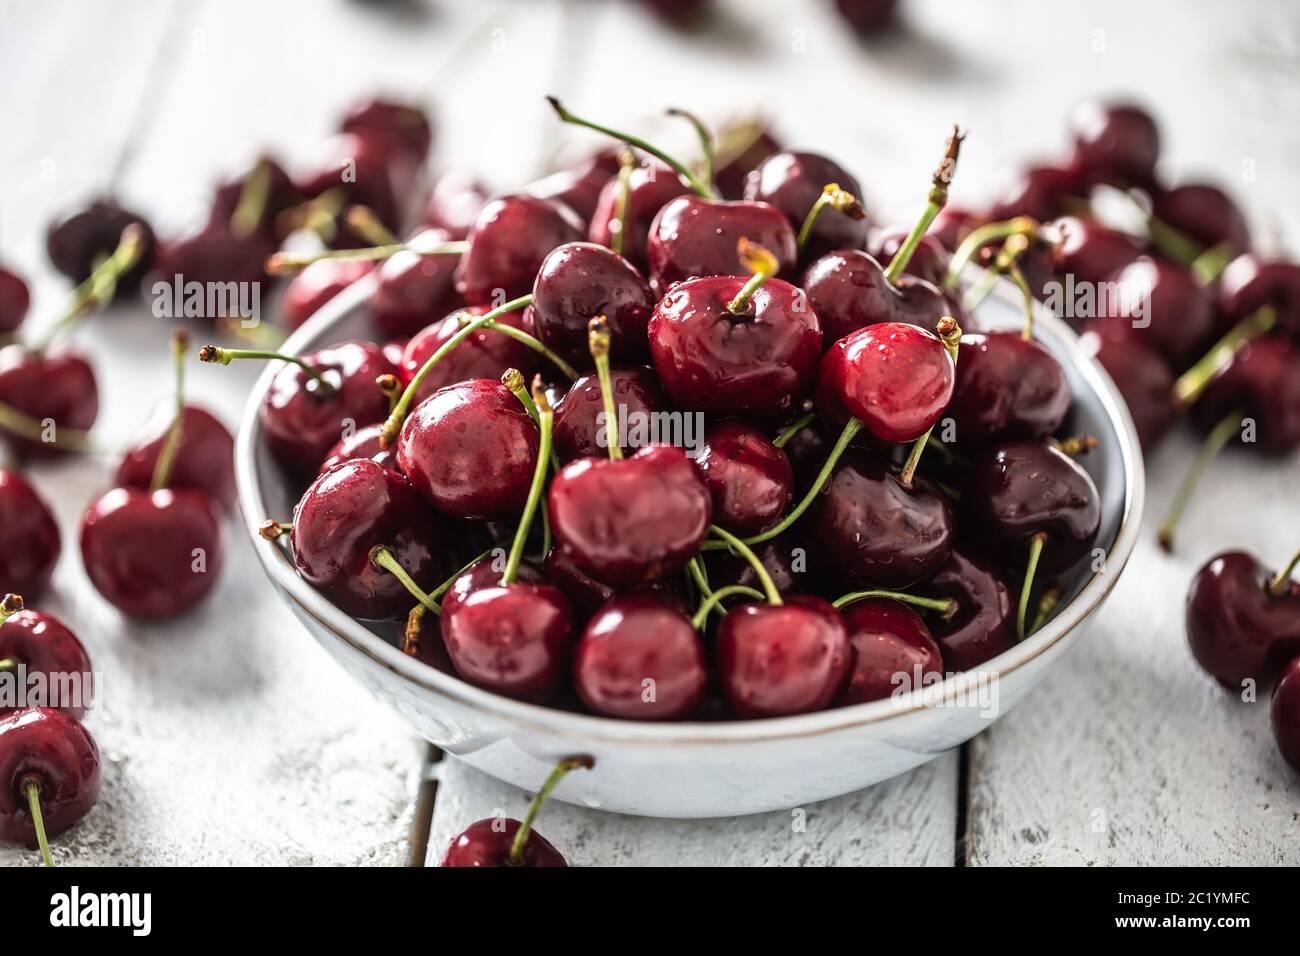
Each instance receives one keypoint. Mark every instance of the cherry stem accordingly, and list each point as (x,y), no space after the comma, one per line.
(411,633)
(700,576)
(1194,381)
(799,424)
(945,606)
(513,379)
(762,263)
(1005,264)
(1046,605)
(836,198)
(706,142)
(32,787)
(98,288)
(690,179)
(285,263)
(598,342)
(950,334)
(10,605)
(1209,265)
(162,469)
(366,223)
(391,386)
(535,490)
(618,233)
(1077,445)
(1219,436)
(253,196)
(393,424)
(516,855)
(67,439)
(381,556)
(1035,552)
(937,199)
(1173,242)
(981,236)
(714,602)
(215,355)
(534,343)
(737,546)
(1282,580)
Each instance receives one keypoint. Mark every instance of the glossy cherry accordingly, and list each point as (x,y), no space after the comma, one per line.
(793,182)
(649,187)
(579,415)
(984,622)
(1285,714)
(29,537)
(1115,143)
(15,297)
(749,479)
(848,291)
(1007,386)
(153,554)
(1166,306)
(413,289)
(928,262)
(343,516)
(1243,620)
(204,460)
(580,280)
(779,556)
(482,574)
(892,651)
(79,239)
(779,659)
(1141,374)
(1251,282)
(1260,383)
(316,285)
(46,754)
(362,443)
(1203,213)
(469,450)
(43,644)
(692,236)
(486,353)
(47,387)
(511,237)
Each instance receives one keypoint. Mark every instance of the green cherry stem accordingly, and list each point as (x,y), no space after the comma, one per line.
(535,490)
(366,223)
(714,602)
(285,263)
(1282,580)
(1046,605)
(706,142)
(67,439)
(1035,552)
(162,469)
(1219,436)
(950,334)
(1193,382)
(598,342)
(513,379)
(690,179)
(1173,242)
(618,228)
(699,575)
(437,593)
(534,343)
(799,424)
(251,207)
(1005,264)
(215,355)
(835,198)
(1209,265)
(945,606)
(96,291)
(981,236)
(937,199)
(516,855)
(741,548)
(393,424)
(762,265)
(32,787)
(381,556)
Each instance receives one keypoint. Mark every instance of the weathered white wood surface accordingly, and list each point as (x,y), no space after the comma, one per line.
(231,739)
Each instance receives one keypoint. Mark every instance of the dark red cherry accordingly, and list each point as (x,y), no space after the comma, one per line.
(1091,252)
(316,285)
(1019,489)
(363,170)
(631,521)
(511,237)
(214,255)
(1007,387)
(204,460)
(349,511)
(362,443)
(586,595)
(1262,383)
(413,289)
(15,297)
(402,125)
(780,556)
(929,261)
(639,402)
(984,623)
(470,450)
(1204,213)
(1239,624)
(48,749)
(894,378)
(871,532)
(749,478)
(56,388)
(1285,713)
(1166,306)
(486,353)
(793,182)
(807,450)
(1251,282)
(848,291)
(1115,143)
(514,639)
(1042,193)
(759,361)
(640,659)
(304,418)
(484,573)
(868,17)
(579,281)
(892,651)
(580,186)
(1141,374)
(43,644)
(78,240)
(693,237)
(153,554)
(781,659)
(29,537)
(742,146)
(454,204)
(649,187)
(488,843)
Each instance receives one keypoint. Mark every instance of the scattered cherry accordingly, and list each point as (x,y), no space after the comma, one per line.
(79,240)
(15,297)
(1115,143)
(42,644)
(29,537)
(1285,713)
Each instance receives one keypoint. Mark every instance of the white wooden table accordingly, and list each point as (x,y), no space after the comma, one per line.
(229,738)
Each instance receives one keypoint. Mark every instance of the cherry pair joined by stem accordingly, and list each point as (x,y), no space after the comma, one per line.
(42,644)
(29,537)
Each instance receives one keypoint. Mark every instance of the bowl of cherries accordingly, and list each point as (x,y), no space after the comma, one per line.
(711,484)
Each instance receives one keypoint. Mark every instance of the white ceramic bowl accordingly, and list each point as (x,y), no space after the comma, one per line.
(706,769)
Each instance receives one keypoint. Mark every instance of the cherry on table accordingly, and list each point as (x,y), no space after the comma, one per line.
(214,254)
(1143,377)
(80,238)
(42,644)
(57,387)
(204,458)
(1115,143)
(1166,306)
(893,651)
(511,237)
(749,478)
(364,170)
(1285,714)
(1260,383)
(1204,213)
(1251,282)
(15,297)
(29,537)
(252,199)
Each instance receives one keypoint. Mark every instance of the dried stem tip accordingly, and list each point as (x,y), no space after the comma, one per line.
(272,529)
(598,336)
(11,604)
